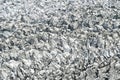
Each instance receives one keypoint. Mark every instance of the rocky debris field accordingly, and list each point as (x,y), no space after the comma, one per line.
(59,40)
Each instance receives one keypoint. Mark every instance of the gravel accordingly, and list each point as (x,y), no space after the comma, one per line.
(59,40)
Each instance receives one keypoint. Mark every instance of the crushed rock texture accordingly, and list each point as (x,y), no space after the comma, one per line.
(59,39)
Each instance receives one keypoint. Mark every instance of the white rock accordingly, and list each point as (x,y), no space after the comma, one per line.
(60,57)
(7,34)
(47,54)
(12,64)
(66,54)
(118,43)
(27,62)
(42,72)
(115,35)
(66,47)
(72,39)
(4,75)
(32,71)
(111,53)
(95,64)
(117,65)
(100,27)
(57,66)
(13,54)
(54,52)
(106,54)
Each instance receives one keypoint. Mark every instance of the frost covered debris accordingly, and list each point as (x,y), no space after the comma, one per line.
(59,40)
